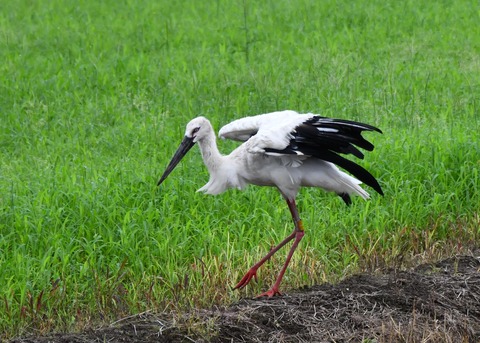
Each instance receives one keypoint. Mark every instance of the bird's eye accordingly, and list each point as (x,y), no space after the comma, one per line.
(195,130)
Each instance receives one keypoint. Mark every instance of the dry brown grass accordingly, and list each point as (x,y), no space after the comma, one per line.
(433,302)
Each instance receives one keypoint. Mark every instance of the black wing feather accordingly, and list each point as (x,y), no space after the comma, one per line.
(325,138)
(346,198)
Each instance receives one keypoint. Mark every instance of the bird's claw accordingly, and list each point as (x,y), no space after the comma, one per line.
(252,273)
(270,293)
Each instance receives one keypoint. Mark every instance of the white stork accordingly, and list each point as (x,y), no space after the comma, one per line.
(286,150)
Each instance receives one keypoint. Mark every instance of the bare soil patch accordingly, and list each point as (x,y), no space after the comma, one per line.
(431,303)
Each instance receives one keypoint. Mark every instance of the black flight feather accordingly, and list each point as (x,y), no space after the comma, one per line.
(345,197)
(325,138)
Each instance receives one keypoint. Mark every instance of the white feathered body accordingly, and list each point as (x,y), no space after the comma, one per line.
(250,164)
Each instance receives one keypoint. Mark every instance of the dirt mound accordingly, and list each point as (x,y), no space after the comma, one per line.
(431,303)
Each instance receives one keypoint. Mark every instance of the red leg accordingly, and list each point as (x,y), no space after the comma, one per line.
(275,288)
(252,272)
(298,234)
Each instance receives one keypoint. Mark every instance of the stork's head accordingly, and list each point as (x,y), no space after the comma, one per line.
(196,130)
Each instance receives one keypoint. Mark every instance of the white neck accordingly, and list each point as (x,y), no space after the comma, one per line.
(210,154)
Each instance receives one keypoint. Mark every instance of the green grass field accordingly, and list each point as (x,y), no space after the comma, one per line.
(94,97)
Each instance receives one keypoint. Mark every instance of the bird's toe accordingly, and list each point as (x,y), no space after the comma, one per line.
(270,293)
(246,279)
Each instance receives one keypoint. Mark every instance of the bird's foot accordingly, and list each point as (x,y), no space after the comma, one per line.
(274,291)
(252,273)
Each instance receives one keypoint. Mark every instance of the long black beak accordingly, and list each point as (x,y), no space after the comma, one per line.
(182,150)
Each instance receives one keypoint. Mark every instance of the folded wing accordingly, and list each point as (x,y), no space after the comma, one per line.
(290,133)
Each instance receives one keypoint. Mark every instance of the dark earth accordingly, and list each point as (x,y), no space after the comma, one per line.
(437,302)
